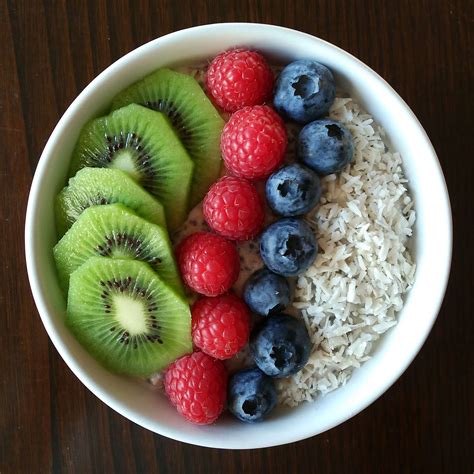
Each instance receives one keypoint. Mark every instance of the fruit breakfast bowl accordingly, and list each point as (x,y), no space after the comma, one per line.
(430,245)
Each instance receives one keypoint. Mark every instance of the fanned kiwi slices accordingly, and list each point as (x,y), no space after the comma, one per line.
(114,231)
(126,317)
(142,143)
(102,186)
(134,176)
(193,116)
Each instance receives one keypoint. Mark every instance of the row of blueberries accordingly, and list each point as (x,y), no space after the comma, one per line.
(280,344)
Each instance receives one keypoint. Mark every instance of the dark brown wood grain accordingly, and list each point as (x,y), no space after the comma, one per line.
(49,422)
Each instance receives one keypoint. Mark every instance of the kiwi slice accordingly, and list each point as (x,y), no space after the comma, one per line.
(114,231)
(142,143)
(192,114)
(126,317)
(99,186)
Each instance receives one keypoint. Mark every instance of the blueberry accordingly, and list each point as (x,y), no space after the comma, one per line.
(251,395)
(293,190)
(266,293)
(326,146)
(288,246)
(304,91)
(280,345)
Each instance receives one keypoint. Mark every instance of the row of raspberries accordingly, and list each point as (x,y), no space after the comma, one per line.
(253,145)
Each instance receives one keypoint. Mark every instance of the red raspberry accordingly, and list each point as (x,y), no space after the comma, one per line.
(232,208)
(253,142)
(220,325)
(196,385)
(209,264)
(239,77)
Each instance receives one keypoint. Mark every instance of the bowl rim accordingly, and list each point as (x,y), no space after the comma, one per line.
(40,297)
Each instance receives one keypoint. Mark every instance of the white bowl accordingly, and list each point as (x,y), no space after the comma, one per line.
(432,242)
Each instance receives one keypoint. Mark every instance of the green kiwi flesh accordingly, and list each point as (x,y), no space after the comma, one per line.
(115,231)
(102,186)
(126,317)
(142,143)
(192,114)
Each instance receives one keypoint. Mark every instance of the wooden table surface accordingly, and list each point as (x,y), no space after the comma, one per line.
(49,422)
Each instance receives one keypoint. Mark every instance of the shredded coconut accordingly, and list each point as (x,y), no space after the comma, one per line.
(353,291)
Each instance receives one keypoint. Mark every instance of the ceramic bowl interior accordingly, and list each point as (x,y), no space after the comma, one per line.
(431,245)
